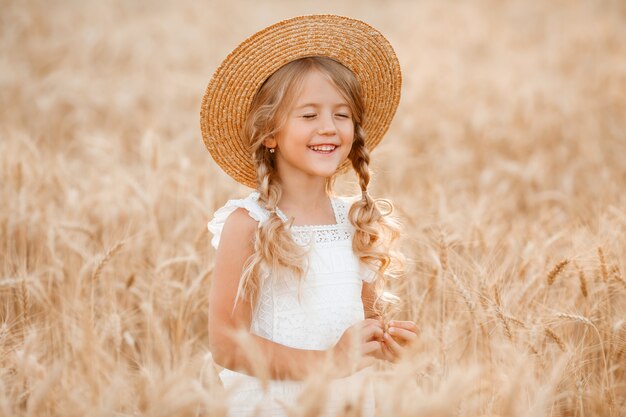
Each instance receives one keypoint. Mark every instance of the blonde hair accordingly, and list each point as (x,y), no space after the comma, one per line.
(275,251)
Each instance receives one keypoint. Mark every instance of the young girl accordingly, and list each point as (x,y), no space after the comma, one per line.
(298,269)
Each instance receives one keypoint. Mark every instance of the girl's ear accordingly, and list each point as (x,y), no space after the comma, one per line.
(270,142)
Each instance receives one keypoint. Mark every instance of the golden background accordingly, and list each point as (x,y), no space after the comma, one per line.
(506,163)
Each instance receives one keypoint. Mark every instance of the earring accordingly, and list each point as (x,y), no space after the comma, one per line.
(272,150)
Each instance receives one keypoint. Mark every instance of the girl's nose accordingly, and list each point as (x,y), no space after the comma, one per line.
(327,126)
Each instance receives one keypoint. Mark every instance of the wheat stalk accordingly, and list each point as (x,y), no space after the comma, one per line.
(110,254)
(515,320)
(484,297)
(558,268)
(25,304)
(603,270)
(443,253)
(114,327)
(552,335)
(505,323)
(579,393)
(585,320)
(575,317)
(464,293)
(106,259)
(496,295)
(620,352)
(532,348)
(500,314)
(432,281)
(615,273)
(582,279)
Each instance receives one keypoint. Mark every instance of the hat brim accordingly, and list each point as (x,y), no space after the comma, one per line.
(353,43)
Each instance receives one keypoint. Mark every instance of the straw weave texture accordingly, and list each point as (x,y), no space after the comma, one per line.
(353,43)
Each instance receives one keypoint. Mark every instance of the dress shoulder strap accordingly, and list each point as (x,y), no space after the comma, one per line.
(342,206)
(249,203)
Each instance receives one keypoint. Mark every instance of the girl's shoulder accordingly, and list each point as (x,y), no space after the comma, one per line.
(249,203)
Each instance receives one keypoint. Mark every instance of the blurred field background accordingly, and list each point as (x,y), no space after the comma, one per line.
(506,162)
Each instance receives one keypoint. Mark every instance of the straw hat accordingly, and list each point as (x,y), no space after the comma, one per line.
(353,43)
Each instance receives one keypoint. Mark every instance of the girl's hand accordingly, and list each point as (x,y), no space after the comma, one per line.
(398,336)
(359,345)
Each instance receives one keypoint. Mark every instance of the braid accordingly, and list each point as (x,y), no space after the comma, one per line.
(269,191)
(273,244)
(375,233)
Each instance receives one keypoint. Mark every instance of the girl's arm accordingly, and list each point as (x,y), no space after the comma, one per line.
(282,362)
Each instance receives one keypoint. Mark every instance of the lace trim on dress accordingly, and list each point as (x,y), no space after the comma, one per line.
(303,235)
(323,233)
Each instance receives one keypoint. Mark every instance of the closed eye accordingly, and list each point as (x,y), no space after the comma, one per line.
(309,116)
(343,115)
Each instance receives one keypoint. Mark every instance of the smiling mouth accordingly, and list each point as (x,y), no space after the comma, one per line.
(323,148)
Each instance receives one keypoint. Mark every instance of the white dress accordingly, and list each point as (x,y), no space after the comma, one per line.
(328,302)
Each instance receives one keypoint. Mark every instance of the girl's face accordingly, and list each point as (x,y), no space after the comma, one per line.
(318,131)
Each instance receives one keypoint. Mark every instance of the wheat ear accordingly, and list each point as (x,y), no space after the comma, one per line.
(550,333)
(558,268)
(617,276)
(24,298)
(583,280)
(110,254)
(604,272)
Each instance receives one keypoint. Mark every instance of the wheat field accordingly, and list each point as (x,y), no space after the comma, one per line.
(506,164)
